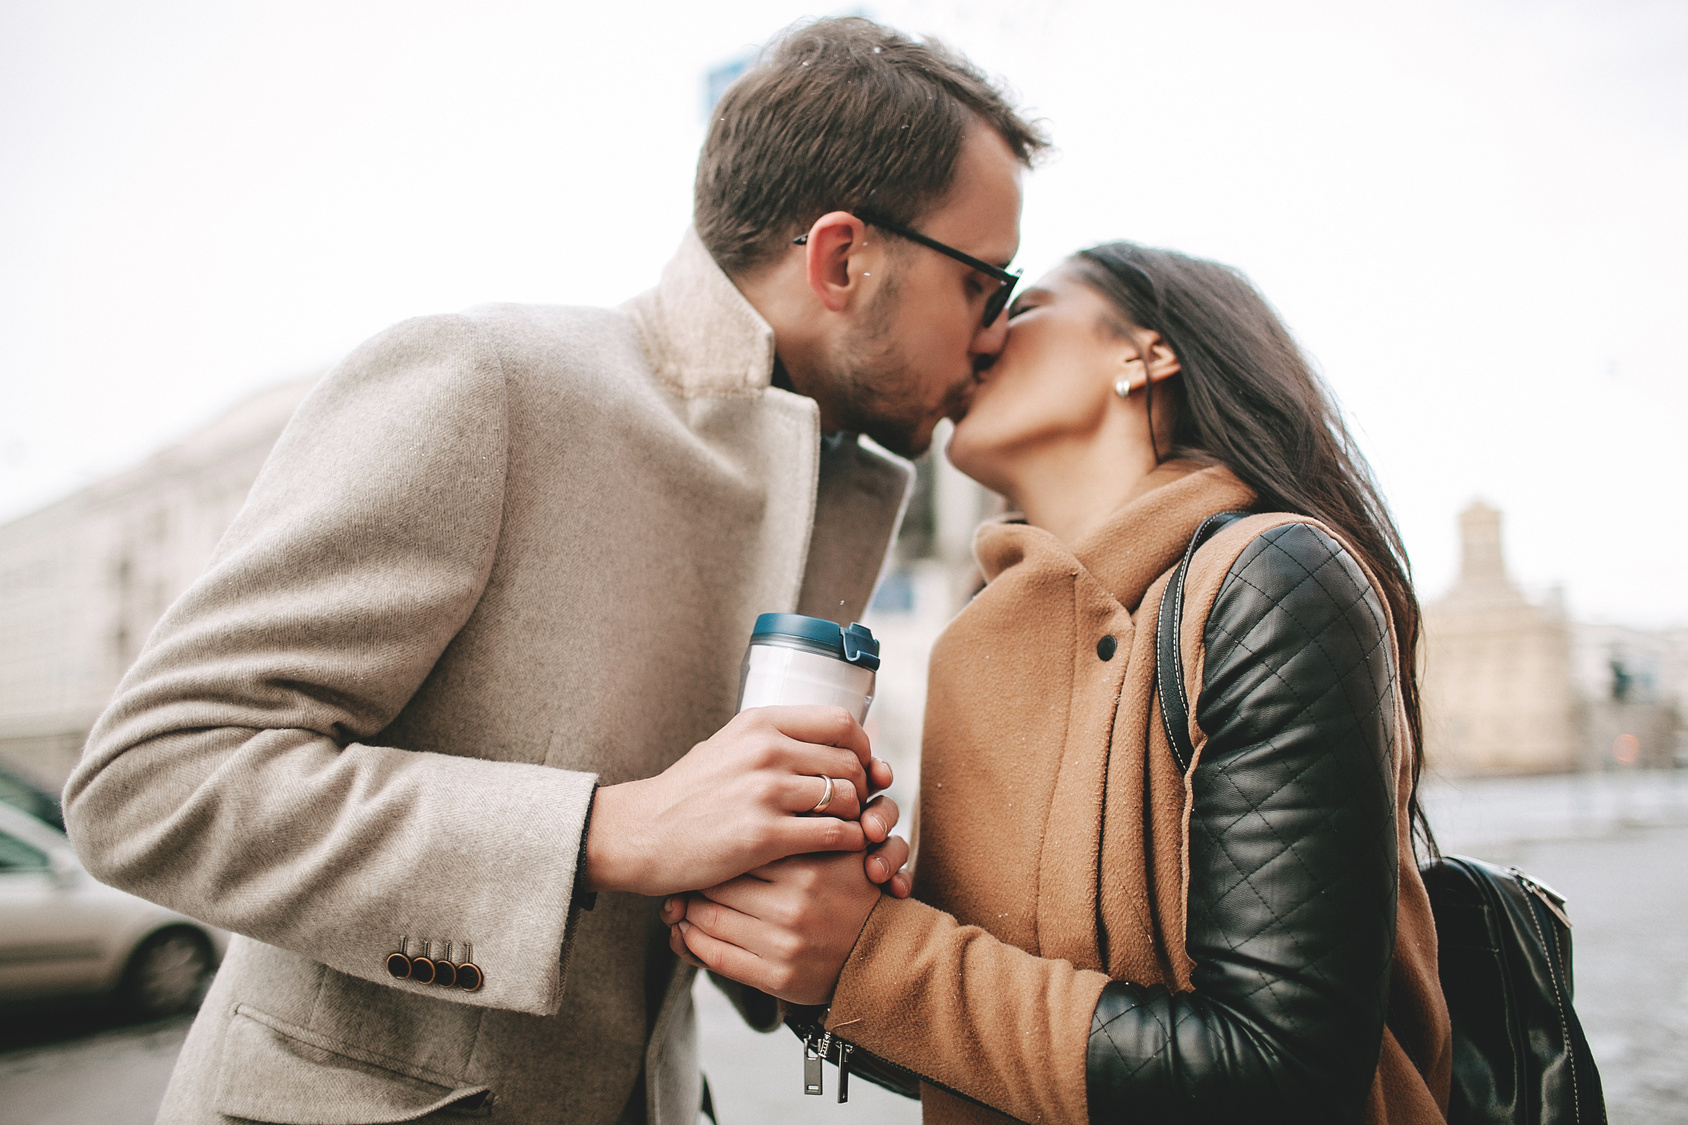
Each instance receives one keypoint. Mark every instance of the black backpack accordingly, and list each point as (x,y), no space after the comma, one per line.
(1504,950)
(1503,946)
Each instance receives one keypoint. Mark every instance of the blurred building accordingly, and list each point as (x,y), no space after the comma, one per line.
(1512,686)
(83,580)
(1635,682)
(1499,695)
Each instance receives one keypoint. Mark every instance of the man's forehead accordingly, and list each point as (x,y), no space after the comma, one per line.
(981,215)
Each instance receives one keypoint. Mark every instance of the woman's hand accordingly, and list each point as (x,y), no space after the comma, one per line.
(786,928)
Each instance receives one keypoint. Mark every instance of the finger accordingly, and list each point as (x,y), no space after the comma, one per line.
(724,923)
(727,959)
(827,761)
(901,885)
(823,726)
(677,942)
(673,909)
(747,894)
(806,792)
(879,774)
(879,818)
(800,835)
(887,859)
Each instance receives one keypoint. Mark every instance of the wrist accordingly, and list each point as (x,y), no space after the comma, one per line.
(615,860)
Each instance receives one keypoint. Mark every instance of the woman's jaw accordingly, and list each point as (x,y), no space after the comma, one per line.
(1047,427)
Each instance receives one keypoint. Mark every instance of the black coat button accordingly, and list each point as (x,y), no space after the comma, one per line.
(421,970)
(445,974)
(1106,647)
(469,976)
(399,965)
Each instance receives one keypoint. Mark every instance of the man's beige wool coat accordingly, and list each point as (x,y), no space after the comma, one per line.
(495,558)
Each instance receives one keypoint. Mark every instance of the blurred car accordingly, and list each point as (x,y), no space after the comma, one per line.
(22,793)
(64,933)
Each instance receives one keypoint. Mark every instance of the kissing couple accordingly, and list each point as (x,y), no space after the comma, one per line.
(457,687)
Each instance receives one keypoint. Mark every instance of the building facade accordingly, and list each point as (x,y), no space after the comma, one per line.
(84,580)
(1499,696)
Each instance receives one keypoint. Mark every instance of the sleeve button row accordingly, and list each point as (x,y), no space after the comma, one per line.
(442,971)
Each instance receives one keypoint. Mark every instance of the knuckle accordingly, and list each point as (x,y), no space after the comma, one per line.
(788,946)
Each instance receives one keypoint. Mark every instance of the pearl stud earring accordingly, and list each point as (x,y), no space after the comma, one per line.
(1122,387)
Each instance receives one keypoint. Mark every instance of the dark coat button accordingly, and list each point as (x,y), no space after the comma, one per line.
(421,970)
(399,965)
(469,976)
(1106,647)
(445,974)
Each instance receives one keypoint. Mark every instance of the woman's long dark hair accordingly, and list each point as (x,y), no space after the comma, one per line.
(1247,398)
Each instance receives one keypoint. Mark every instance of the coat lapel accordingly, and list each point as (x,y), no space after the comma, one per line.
(830,513)
(1098,587)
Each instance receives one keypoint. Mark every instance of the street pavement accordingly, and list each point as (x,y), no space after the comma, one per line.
(1616,845)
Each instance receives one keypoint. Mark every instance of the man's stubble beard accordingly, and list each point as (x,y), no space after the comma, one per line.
(875,391)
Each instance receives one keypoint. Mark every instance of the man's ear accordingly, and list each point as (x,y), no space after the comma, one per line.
(1158,357)
(832,242)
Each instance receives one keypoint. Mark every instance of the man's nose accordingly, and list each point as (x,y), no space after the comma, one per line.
(990,339)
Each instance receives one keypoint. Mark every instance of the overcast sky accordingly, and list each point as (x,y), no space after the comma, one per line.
(1472,214)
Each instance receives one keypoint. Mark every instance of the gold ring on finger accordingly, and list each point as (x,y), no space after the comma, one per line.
(826,797)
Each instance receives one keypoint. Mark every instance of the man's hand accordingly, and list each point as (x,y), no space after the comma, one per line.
(786,928)
(734,803)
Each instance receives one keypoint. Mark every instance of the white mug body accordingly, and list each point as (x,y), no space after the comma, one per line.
(779,675)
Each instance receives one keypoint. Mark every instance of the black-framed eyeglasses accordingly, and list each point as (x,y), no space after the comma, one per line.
(994,304)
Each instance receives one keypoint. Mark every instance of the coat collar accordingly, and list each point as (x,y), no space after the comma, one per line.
(1141,541)
(702,337)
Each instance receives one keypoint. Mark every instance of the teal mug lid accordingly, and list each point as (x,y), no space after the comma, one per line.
(855,644)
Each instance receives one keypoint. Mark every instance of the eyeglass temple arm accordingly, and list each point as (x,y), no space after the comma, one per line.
(982,266)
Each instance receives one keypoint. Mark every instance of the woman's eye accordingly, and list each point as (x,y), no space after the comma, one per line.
(1016,310)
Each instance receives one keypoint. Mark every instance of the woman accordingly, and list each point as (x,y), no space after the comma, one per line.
(1098,933)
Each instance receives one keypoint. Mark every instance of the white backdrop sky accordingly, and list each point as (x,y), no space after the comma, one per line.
(1474,213)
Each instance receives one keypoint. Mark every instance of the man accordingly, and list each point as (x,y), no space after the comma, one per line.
(452,701)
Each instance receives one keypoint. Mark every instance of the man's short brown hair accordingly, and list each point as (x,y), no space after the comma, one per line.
(840,115)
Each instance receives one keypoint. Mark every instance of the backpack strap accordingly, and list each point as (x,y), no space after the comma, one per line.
(1169,661)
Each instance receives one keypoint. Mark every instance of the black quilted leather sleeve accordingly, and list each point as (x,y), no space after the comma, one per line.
(1292,862)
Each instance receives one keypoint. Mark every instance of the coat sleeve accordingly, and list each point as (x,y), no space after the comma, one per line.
(234,777)
(1292,861)
(968,1012)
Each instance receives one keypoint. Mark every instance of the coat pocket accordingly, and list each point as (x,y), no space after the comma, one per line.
(281,1074)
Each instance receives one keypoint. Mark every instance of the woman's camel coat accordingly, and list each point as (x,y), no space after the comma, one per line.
(1053,822)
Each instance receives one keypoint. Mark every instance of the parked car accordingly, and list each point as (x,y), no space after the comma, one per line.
(22,793)
(63,933)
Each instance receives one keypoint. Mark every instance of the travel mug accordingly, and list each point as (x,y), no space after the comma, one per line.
(793,659)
